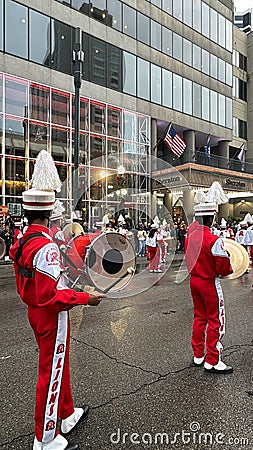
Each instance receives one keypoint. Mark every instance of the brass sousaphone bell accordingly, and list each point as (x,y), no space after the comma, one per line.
(239,258)
(72,229)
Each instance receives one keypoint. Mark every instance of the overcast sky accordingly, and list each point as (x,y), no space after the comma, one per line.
(242,5)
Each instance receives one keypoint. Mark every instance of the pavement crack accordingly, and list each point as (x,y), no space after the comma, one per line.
(15,439)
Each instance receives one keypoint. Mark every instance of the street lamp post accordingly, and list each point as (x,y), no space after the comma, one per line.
(78,58)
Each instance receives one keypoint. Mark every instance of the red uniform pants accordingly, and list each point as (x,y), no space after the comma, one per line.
(154,257)
(53,391)
(209,318)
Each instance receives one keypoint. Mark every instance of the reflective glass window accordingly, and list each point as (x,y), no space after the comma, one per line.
(98,61)
(205,61)
(197,100)
(14,176)
(61,47)
(156,35)
(235,126)
(157,3)
(177,10)
(214,66)
(114,63)
(229,35)
(143,31)
(222,112)
(39,102)
(143,79)
(1,25)
(81,5)
(1,92)
(87,57)
(15,136)
(129,126)
(196,57)
(143,129)
(60,140)
(114,16)
(197,15)
(84,113)
(177,92)
(213,106)
(129,21)
(187,52)
(15,96)
(97,152)
(167,6)
(222,70)
(166,41)
(97,117)
(229,74)
(98,10)
(156,84)
(39,41)
(187,96)
(177,46)
(16,29)
(114,118)
(205,19)
(114,151)
(39,138)
(213,25)
(187,12)
(229,113)
(222,31)
(84,156)
(129,73)
(205,103)
(167,88)
(235,87)
(60,107)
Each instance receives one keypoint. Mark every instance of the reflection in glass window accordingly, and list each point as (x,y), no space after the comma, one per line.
(1,92)
(129,126)
(39,135)
(177,46)
(177,9)
(196,57)
(129,21)
(114,16)
(60,107)
(16,29)
(114,62)
(187,12)
(15,134)
(187,52)
(143,129)
(143,32)
(222,70)
(167,88)
(1,26)
(197,100)
(60,140)
(167,6)
(14,176)
(229,74)
(84,150)
(177,92)
(157,3)
(143,79)
(214,106)
(61,47)
(166,41)
(222,117)
(155,84)
(114,117)
(97,117)
(39,102)
(214,66)
(213,25)
(197,15)
(98,10)
(114,155)
(81,5)
(222,32)
(129,73)
(155,35)
(205,103)
(187,96)
(15,96)
(229,35)
(98,61)
(205,19)
(86,49)
(229,113)
(205,61)
(84,113)
(39,41)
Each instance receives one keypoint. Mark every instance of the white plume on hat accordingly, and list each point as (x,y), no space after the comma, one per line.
(216,194)
(223,223)
(207,204)
(248,218)
(156,220)
(45,181)
(57,211)
(200,196)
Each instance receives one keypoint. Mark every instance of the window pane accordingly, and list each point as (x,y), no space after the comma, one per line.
(177,9)
(222,110)
(187,52)
(143,33)
(229,37)
(84,113)
(214,25)
(86,49)
(98,61)
(98,10)
(229,74)
(222,34)
(129,73)
(177,92)
(39,41)
(15,177)
(155,84)
(114,18)
(39,106)
(81,5)
(97,117)
(114,118)
(155,35)
(196,100)
(167,88)
(143,77)
(197,15)
(222,70)
(15,96)
(177,46)
(15,137)
(187,99)
(187,12)
(1,92)
(16,29)
(166,41)
(167,6)
(214,66)
(214,106)
(205,19)
(60,139)
(1,25)
(229,113)
(60,108)
(129,126)
(196,57)
(157,3)
(39,135)
(97,152)
(61,47)
(129,21)
(205,61)
(205,103)
(114,68)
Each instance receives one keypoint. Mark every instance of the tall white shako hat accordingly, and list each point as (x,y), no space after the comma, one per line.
(207,204)
(58,210)
(45,181)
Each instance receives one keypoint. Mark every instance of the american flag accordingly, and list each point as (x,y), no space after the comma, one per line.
(176,144)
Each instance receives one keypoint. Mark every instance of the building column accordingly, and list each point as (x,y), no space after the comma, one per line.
(189,138)
(188,204)
(168,203)
(153,204)
(223,151)
(223,211)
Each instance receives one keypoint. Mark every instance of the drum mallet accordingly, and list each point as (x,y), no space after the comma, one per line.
(129,271)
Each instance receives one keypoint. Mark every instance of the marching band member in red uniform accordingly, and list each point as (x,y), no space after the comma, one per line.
(56,222)
(43,286)
(206,259)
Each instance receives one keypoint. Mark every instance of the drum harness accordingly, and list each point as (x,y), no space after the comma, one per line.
(24,271)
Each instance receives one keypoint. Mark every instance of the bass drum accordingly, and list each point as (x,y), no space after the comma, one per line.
(110,262)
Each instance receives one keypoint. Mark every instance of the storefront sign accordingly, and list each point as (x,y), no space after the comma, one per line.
(231,183)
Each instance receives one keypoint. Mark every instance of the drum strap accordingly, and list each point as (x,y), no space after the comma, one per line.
(27,273)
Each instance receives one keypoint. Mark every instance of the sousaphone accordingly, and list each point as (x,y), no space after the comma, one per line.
(72,229)
(239,258)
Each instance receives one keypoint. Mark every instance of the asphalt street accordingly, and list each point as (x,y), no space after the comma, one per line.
(131,361)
